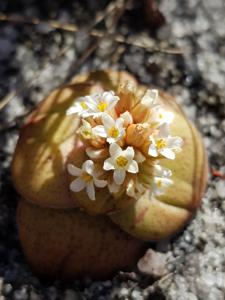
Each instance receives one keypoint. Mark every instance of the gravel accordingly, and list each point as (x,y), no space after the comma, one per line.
(30,63)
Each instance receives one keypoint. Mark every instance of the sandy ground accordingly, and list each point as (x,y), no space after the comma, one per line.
(30,62)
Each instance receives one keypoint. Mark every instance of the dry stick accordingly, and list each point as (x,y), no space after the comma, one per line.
(95,33)
(111,24)
(117,54)
(115,8)
(4,101)
(73,28)
(34,21)
(99,17)
(116,5)
(18,19)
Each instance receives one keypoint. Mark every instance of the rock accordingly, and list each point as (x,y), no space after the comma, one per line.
(124,292)
(21,294)
(153,264)
(7,289)
(34,295)
(71,295)
(220,188)
(136,295)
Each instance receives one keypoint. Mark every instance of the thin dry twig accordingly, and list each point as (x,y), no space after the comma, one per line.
(7,99)
(110,9)
(94,32)
(115,8)
(110,15)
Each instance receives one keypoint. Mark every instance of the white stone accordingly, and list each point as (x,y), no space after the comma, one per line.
(220,188)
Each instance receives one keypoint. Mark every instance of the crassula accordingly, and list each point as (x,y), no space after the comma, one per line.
(103,166)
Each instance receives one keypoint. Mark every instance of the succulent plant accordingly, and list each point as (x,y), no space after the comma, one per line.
(99,155)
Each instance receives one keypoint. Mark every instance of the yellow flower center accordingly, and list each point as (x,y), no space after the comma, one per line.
(86,134)
(160,143)
(121,161)
(113,132)
(159,183)
(83,105)
(102,106)
(86,177)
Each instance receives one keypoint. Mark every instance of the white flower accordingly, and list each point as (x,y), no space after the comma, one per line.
(121,161)
(135,188)
(111,129)
(101,103)
(160,171)
(79,107)
(127,117)
(160,116)
(150,98)
(160,184)
(164,144)
(85,130)
(161,180)
(86,178)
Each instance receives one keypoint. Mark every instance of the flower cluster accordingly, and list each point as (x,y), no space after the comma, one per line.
(123,155)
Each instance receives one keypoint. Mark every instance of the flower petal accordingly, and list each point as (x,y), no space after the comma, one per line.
(168,153)
(107,121)
(164,131)
(72,110)
(129,153)
(108,164)
(162,183)
(161,116)
(127,117)
(111,140)
(77,185)
(90,101)
(152,150)
(115,150)
(99,130)
(88,166)
(100,183)
(119,176)
(119,123)
(73,170)
(150,98)
(174,142)
(168,116)
(133,167)
(110,98)
(167,182)
(160,171)
(91,190)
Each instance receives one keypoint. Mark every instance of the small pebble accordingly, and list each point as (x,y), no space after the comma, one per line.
(220,188)
(136,295)
(71,295)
